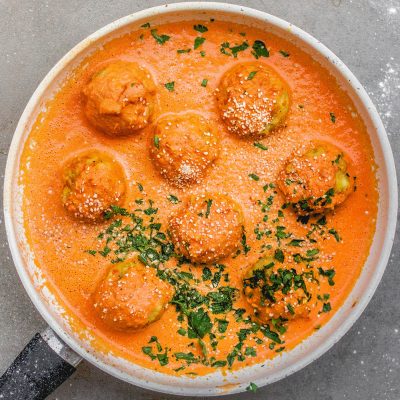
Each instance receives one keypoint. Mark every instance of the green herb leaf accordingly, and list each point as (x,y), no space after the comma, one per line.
(254,177)
(326,307)
(209,204)
(148,350)
(335,234)
(156,141)
(252,74)
(173,199)
(222,325)
(204,82)
(182,51)
(284,53)
(279,256)
(200,322)
(259,49)
(198,42)
(296,242)
(260,146)
(329,273)
(146,25)
(200,28)
(252,387)
(333,117)
(232,51)
(163,358)
(170,86)
(160,39)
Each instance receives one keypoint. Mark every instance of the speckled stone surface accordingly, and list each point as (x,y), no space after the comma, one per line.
(365,34)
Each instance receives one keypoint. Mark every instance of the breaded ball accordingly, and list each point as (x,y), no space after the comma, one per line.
(92,183)
(253,99)
(275,291)
(183,147)
(120,98)
(207,228)
(316,180)
(131,296)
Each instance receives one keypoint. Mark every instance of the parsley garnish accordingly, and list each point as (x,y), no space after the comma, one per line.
(204,82)
(329,273)
(259,49)
(156,141)
(260,146)
(200,28)
(284,53)
(170,86)
(198,42)
(252,74)
(160,39)
(232,51)
(209,203)
(252,387)
(173,199)
(254,177)
(333,117)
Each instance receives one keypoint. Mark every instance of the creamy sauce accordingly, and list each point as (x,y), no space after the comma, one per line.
(59,242)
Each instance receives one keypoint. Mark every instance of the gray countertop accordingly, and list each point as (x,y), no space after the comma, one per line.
(365,34)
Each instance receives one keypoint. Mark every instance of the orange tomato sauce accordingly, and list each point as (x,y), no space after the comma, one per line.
(59,242)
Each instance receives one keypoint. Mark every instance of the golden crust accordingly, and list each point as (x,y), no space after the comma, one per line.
(131,296)
(93,182)
(253,99)
(207,228)
(120,98)
(317,179)
(183,147)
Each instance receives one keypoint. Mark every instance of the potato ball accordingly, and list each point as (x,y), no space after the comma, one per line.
(131,296)
(207,228)
(316,180)
(275,291)
(183,147)
(253,99)
(120,98)
(92,183)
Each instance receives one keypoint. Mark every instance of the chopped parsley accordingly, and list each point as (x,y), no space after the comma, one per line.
(198,42)
(284,53)
(209,203)
(279,256)
(170,86)
(254,177)
(328,273)
(200,28)
(335,234)
(252,387)
(146,25)
(333,117)
(259,49)
(183,51)
(251,75)
(260,146)
(234,50)
(173,199)
(156,141)
(160,39)
(326,307)
(204,82)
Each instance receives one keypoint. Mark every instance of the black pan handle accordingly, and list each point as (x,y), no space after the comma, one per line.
(44,364)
